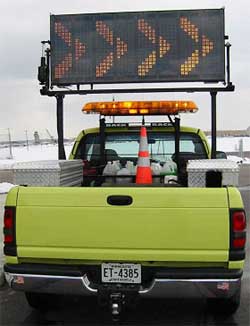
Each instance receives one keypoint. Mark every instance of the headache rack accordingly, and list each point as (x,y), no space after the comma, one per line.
(169,108)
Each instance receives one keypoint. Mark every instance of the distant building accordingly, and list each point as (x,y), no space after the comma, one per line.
(232,133)
(37,140)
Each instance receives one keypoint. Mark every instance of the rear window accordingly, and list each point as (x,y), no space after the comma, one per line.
(126,145)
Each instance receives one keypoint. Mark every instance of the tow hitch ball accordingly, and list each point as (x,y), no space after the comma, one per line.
(117,300)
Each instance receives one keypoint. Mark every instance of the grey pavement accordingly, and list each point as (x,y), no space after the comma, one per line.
(244,176)
(7,175)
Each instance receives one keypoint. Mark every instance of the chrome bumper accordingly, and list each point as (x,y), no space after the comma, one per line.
(159,288)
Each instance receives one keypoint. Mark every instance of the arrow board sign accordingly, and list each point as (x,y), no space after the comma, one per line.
(161,46)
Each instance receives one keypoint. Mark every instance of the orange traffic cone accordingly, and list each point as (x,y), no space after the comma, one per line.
(143,173)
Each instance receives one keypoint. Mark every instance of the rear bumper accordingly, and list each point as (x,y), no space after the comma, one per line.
(225,284)
(160,288)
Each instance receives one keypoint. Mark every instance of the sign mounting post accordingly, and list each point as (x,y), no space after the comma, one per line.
(136,47)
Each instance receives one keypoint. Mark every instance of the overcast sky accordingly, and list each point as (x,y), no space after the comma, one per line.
(25,23)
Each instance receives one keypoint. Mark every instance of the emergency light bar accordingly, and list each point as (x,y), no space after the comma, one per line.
(140,108)
(137,125)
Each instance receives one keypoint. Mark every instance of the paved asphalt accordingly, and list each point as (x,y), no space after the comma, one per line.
(15,311)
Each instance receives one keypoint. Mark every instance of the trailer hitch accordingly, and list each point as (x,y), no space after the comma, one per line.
(117,297)
(117,300)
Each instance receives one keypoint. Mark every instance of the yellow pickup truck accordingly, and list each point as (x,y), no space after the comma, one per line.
(119,240)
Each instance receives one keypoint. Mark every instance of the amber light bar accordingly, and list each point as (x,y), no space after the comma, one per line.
(140,107)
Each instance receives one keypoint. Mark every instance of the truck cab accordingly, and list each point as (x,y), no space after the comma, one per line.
(121,144)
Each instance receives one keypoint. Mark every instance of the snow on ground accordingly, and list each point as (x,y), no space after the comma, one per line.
(238,159)
(33,153)
(5,187)
(232,144)
(50,152)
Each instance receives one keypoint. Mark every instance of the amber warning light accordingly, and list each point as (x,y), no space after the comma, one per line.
(140,108)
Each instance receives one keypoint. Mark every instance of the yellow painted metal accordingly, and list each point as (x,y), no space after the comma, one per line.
(127,129)
(143,197)
(175,227)
(11,260)
(236,264)
(235,200)
(144,263)
(76,144)
(177,224)
(12,197)
(124,254)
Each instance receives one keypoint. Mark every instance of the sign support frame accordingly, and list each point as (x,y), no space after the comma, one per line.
(213,123)
(60,129)
(47,90)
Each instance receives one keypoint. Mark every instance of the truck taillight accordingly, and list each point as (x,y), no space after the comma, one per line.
(238,227)
(9,231)
(239,221)
(239,243)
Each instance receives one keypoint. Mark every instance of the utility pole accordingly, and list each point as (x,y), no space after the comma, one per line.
(27,141)
(10,144)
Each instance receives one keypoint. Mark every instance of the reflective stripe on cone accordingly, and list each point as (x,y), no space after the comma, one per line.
(143,173)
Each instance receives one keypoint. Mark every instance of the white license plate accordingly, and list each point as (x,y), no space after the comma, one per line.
(121,273)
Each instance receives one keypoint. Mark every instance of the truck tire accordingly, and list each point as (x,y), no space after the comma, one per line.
(39,301)
(226,306)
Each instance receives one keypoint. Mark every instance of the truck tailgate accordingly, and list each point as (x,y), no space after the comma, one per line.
(161,224)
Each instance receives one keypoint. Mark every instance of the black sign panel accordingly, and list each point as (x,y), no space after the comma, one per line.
(161,46)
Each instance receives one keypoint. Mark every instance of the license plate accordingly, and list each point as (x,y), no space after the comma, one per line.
(121,273)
